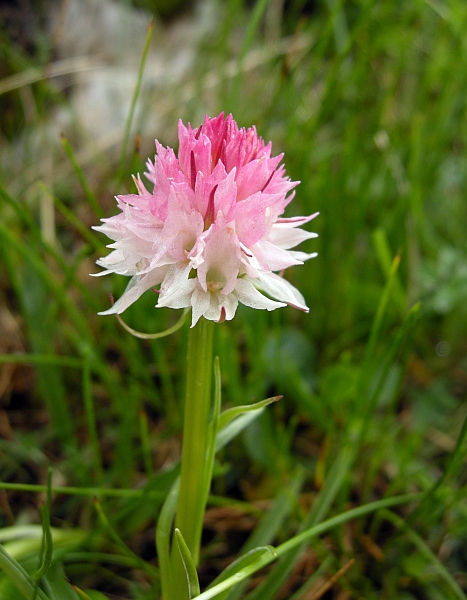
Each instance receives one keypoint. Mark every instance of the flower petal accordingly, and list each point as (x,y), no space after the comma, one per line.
(200,301)
(247,294)
(135,288)
(280,288)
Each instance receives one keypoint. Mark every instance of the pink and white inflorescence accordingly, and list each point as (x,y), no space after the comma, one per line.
(210,233)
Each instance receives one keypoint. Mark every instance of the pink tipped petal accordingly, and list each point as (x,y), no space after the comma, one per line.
(252,178)
(249,217)
(296,221)
(225,195)
(273,258)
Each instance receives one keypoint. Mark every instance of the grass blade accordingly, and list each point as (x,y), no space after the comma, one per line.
(253,24)
(238,565)
(334,480)
(269,525)
(163,535)
(139,80)
(47,542)
(91,417)
(306,536)
(19,577)
(143,565)
(213,429)
(190,569)
(228,415)
(88,193)
(426,552)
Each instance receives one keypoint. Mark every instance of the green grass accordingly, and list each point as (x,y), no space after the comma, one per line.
(367,101)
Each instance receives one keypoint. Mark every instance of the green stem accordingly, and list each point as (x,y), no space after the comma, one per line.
(191,499)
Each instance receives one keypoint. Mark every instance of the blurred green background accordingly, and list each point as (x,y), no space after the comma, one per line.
(367,99)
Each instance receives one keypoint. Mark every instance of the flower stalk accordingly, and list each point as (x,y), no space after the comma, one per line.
(191,498)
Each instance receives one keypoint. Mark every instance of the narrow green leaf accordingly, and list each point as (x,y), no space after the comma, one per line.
(234,420)
(83,491)
(143,565)
(39,311)
(163,533)
(396,349)
(70,216)
(334,480)
(91,594)
(42,359)
(34,231)
(88,193)
(320,571)
(61,296)
(8,590)
(57,585)
(235,427)
(19,577)
(251,29)
(190,569)
(340,28)
(269,525)
(422,547)
(21,212)
(238,565)
(85,595)
(91,416)
(47,542)
(378,320)
(383,253)
(145,445)
(230,414)
(134,99)
(454,463)
(40,268)
(23,542)
(212,431)
(305,536)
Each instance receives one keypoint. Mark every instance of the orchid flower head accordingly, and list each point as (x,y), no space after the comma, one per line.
(210,230)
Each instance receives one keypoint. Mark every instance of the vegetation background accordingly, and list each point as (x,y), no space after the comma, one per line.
(367,99)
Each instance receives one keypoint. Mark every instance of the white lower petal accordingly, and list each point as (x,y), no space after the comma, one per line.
(213,312)
(302,256)
(118,262)
(286,236)
(200,301)
(178,296)
(280,288)
(229,304)
(135,288)
(247,294)
(182,299)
